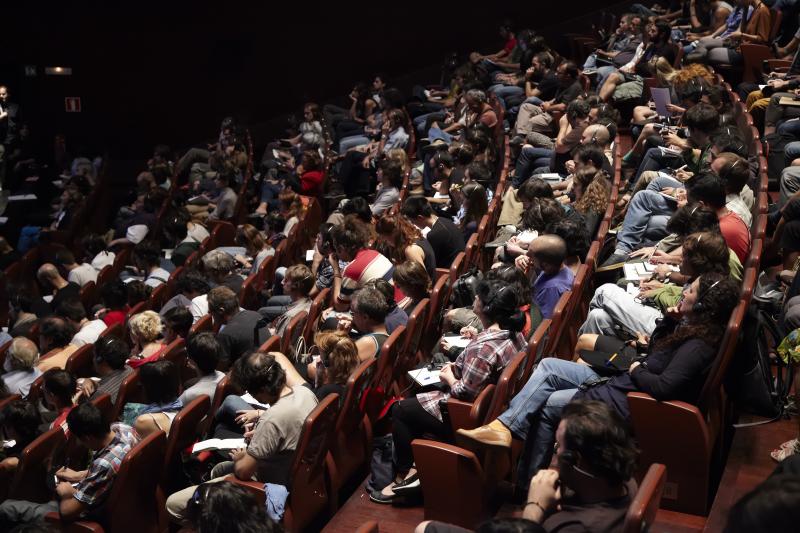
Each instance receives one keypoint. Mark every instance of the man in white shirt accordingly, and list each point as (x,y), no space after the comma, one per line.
(20,366)
(80,274)
(88,330)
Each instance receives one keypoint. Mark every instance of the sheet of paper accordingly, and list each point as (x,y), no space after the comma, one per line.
(219,444)
(630,272)
(21,197)
(661,98)
(252,401)
(550,176)
(3,220)
(458,341)
(669,151)
(424,377)
(785,100)
(309,255)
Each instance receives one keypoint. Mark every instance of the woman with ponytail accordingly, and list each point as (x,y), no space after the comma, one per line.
(480,364)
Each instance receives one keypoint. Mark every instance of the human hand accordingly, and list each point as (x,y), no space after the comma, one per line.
(683,175)
(675,109)
(522,262)
(544,490)
(468,332)
(680,195)
(65,490)
(446,375)
(633,366)
(647,251)
(649,285)
(86,387)
(69,475)
(247,416)
(570,166)
(237,454)
(661,272)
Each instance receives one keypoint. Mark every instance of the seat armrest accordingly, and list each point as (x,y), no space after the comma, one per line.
(460,414)
(80,526)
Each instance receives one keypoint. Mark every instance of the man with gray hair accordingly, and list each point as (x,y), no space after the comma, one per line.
(219,269)
(19,366)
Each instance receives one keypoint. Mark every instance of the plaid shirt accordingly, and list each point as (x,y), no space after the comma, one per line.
(480,364)
(96,486)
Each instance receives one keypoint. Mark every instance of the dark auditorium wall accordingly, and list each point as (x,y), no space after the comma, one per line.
(169,71)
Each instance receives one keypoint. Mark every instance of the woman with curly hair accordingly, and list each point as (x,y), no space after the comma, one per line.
(145,332)
(674,367)
(592,192)
(400,240)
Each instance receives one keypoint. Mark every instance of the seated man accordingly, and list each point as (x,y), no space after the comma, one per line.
(19,367)
(270,450)
(446,239)
(80,274)
(203,352)
(539,118)
(88,331)
(241,329)
(592,483)
(55,336)
(80,494)
(547,254)
(56,286)
(110,355)
(620,46)
(147,258)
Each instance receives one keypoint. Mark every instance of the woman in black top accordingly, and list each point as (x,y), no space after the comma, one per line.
(679,355)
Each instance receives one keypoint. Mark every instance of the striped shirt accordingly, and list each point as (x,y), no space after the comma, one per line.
(96,486)
(367,265)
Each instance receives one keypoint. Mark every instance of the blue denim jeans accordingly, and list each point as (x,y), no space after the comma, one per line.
(654,160)
(351,142)
(537,407)
(790,127)
(603,73)
(437,133)
(644,205)
(505,91)
(530,158)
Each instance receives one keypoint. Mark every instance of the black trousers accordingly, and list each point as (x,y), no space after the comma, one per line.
(410,421)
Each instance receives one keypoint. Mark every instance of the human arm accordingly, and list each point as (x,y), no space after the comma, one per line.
(544,494)
(685,367)
(244,465)
(69,507)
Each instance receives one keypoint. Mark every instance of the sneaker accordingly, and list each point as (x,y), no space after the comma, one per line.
(616,260)
(410,484)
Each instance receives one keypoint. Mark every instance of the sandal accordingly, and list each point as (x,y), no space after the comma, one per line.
(787,449)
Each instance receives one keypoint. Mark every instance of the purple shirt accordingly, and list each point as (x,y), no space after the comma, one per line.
(548,288)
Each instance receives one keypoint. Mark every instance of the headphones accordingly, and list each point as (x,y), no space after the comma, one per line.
(489,307)
(569,459)
(699,306)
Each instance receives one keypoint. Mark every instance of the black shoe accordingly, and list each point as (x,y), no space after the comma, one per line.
(377,497)
(408,485)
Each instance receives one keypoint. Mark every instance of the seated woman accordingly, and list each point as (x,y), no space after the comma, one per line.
(307,177)
(146,344)
(203,353)
(310,132)
(679,355)
(390,181)
(177,323)
(161,386)
(291,208)
(297,284)
(256,248)
(368,317)
(356,168)
(656,44)
(592,191)
(754,29)
(479,365)
(413,280)
(473,207)
(400,240)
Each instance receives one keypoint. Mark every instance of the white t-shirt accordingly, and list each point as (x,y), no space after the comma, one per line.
(89,333)
(103,259)
(82,274)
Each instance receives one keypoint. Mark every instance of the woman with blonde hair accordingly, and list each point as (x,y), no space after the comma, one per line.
(291,207)
(145,330)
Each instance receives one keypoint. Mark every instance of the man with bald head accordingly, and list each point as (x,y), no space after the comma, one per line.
(596,134)
(19,366)
(54,284)
(546,254)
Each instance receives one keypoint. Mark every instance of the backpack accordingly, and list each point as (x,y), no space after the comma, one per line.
(463,291)
(757,383)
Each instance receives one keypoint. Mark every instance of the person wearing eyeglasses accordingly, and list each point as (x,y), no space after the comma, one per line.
(677,358)
(589,484)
